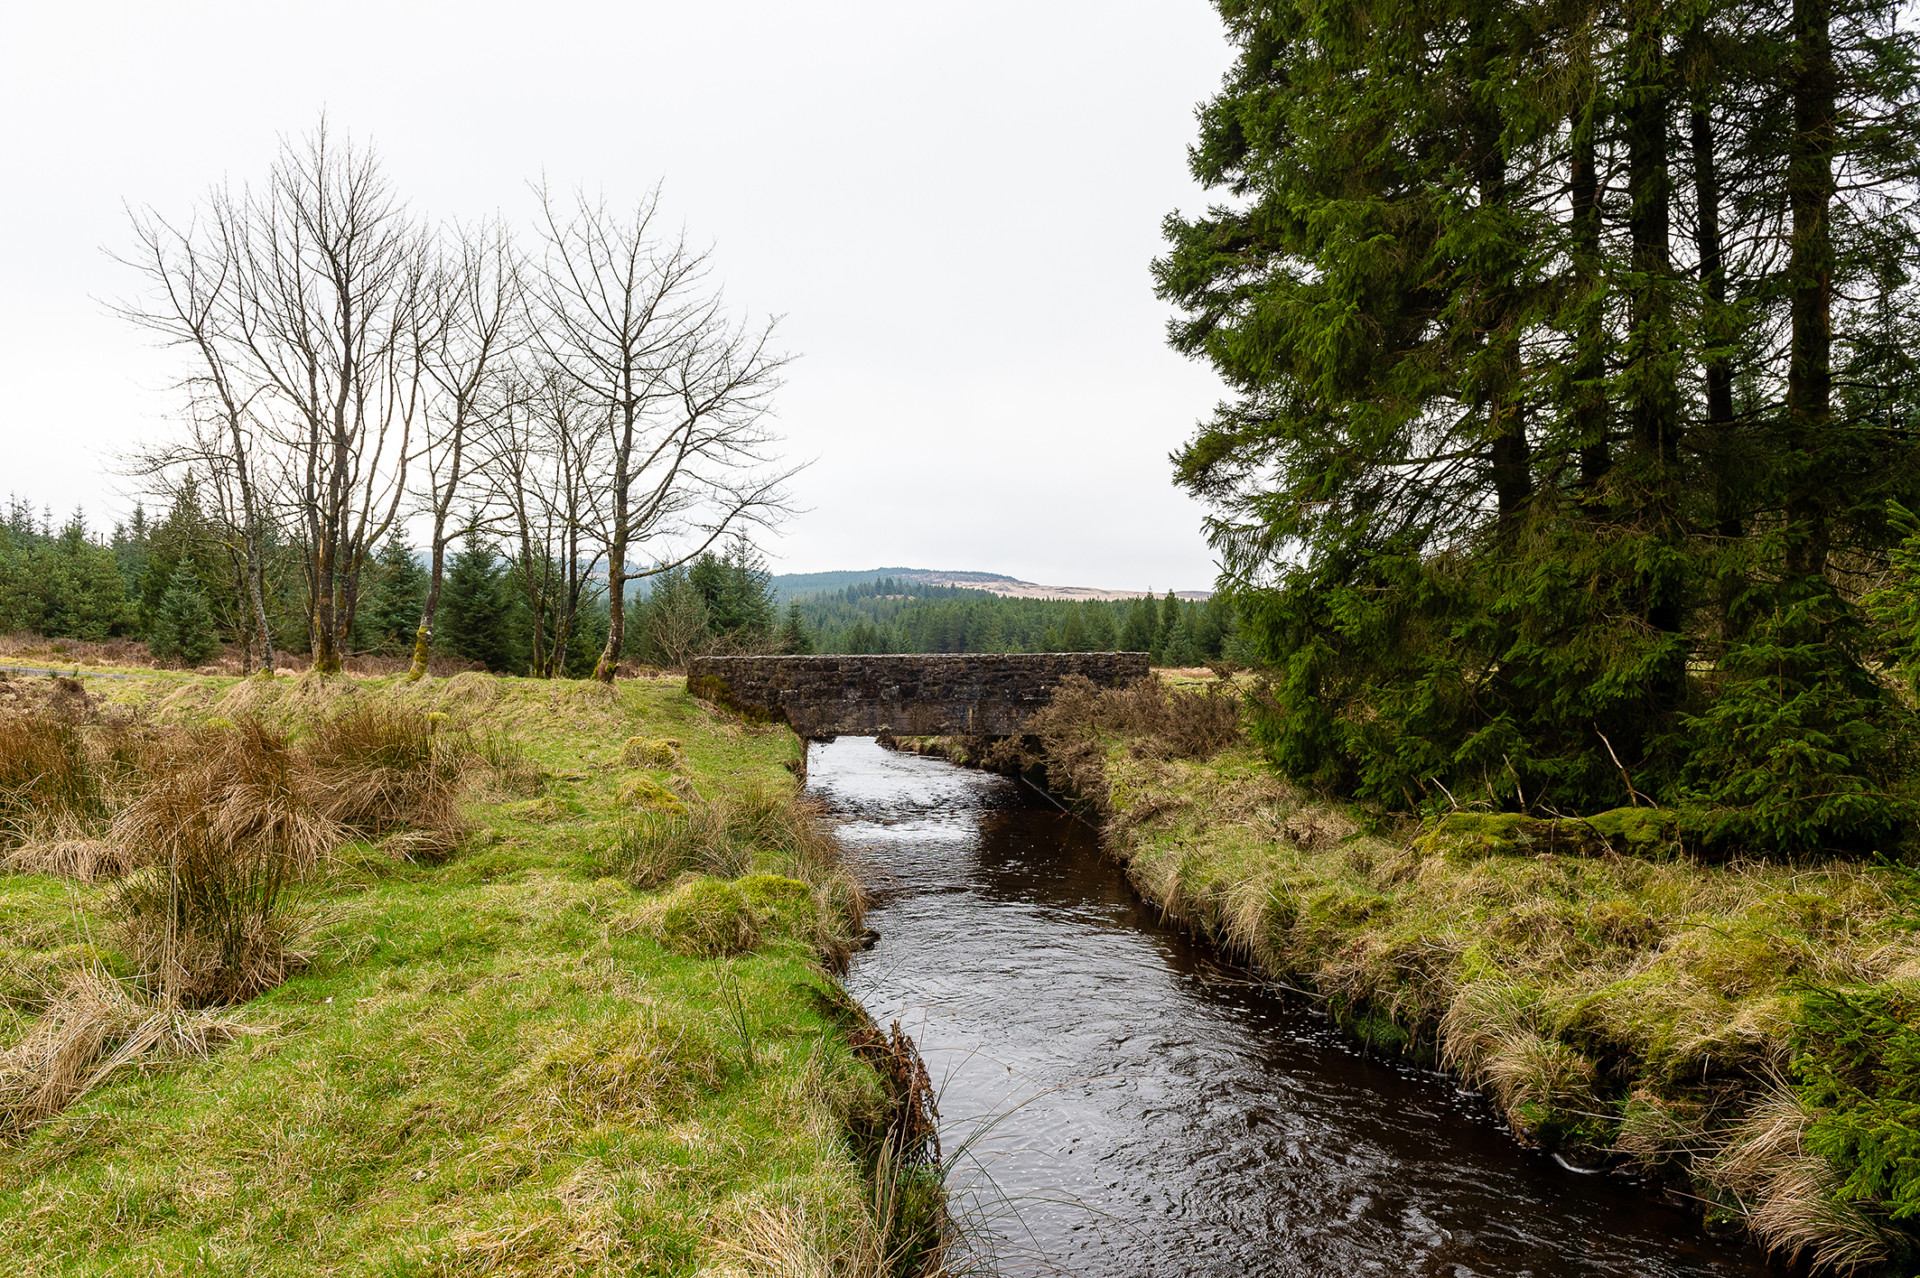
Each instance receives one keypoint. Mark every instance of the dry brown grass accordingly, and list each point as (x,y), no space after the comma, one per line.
(47,786)
(83,860)
(373,771)
(1158,722)
(224,835)
(94,1027)
(26,648)
(1789,1194)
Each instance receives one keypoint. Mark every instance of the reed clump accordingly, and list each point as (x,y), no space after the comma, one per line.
(223,837)
(373,771)
(47,780)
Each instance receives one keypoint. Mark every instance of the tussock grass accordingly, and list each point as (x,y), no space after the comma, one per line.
(49,785)
(224,835)
(375,770)
(759,832)
(87,860)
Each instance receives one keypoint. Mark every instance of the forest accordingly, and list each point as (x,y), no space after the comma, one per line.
(888,615)
(1570,447)
(173,582)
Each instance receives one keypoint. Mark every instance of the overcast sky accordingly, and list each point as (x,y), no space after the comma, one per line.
(953,207)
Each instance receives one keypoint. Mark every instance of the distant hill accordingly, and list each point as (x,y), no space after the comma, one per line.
(790,585)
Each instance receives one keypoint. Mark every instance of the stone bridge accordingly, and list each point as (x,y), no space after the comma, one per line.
(970,694)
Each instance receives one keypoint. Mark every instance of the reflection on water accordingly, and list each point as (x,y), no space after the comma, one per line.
(1136,1108)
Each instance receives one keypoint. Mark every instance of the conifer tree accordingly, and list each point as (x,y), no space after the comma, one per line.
(475,606)
(1539,464)
(389,614)
(796,640)
(182,627)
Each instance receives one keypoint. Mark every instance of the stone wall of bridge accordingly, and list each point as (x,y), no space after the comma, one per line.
(975,694)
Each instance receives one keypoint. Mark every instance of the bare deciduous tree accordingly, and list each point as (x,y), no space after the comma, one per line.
(332,286)
(193,301)
(539,467)
(476,325)
(678,393)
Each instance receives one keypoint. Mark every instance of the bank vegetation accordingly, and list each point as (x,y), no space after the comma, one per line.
(329,975)
(1739,1030)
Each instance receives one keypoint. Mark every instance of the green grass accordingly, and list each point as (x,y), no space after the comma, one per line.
(1616,998)
(492,1065)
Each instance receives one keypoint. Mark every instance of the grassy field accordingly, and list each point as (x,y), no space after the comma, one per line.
(1746,1031)
(544,1038)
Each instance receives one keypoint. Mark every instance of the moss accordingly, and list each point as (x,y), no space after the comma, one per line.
(782,907)
(1634,830)
(709,918)
(645,794)
(661,753)
(1478,834)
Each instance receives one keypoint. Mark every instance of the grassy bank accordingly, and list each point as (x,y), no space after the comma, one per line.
(578,1019)
(1748,1032)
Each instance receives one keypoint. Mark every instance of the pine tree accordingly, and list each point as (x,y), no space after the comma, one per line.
(476,606)
(1138,633)
(796,640)
(391,601)
(1528,473)
(182,627)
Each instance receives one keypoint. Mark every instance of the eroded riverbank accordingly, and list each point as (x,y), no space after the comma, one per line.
(1157,1114)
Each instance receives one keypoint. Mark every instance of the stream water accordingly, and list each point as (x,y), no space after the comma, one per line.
(1125,1104)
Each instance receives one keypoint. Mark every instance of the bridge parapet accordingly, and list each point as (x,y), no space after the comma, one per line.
(975,694)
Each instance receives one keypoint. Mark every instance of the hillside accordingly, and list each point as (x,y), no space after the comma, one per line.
(793,585)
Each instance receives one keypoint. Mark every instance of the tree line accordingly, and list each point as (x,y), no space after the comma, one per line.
(1572,431)
(584,416)
(886,616)
(169,581)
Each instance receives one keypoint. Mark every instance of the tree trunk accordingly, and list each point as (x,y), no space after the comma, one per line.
(326,652)
(609,664)
(423,637)
(1653,399)
(1589,336)
(1810,275)
(1717,369)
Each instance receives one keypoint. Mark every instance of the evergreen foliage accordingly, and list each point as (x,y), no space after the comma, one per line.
(795,639)
(475,618)
(58,582)
(182,626)
(892,616)
(392,600)
(1570,393)
(737,590)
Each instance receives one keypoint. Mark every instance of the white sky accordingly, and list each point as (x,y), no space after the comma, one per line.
(953,206)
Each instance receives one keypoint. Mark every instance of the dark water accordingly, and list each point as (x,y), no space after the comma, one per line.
(1131,1107)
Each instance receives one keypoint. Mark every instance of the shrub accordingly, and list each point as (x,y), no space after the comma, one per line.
(1857,1063)
(224,837)
(375,771)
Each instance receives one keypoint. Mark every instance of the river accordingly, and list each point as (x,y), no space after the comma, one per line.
(1125,1104)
